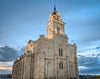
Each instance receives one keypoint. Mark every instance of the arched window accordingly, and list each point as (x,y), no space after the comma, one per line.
(60,52)
(60,65)
(58,29)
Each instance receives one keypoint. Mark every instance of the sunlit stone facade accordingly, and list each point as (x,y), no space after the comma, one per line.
(50,57)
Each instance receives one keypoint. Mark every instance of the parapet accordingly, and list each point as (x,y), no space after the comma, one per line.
(30,41)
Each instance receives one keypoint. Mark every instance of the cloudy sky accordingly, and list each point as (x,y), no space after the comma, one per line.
(21,20)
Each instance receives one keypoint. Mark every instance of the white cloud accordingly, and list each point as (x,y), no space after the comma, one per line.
(82,67)
(1,46)
(90,53)
(6,64)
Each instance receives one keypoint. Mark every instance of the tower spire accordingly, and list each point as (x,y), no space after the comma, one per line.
(54,7)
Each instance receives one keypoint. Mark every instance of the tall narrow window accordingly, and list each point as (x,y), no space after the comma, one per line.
(58,29)
(60,65)
(60,52)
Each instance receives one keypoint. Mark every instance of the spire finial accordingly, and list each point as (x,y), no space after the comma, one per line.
(54,7)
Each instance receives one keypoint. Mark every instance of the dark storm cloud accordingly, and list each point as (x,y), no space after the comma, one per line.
(88,61)
(91,65)
(7,57)
(8,54)
(97,47)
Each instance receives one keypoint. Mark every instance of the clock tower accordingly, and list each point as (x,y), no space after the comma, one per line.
(55,24)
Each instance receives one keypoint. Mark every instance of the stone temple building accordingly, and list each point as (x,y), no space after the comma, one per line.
(50,57)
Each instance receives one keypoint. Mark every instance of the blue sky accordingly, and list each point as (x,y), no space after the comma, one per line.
(21,20)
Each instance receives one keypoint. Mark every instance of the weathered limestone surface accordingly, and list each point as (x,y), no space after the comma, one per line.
(50,57)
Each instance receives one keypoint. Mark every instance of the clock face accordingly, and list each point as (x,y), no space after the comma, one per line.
(54,13)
